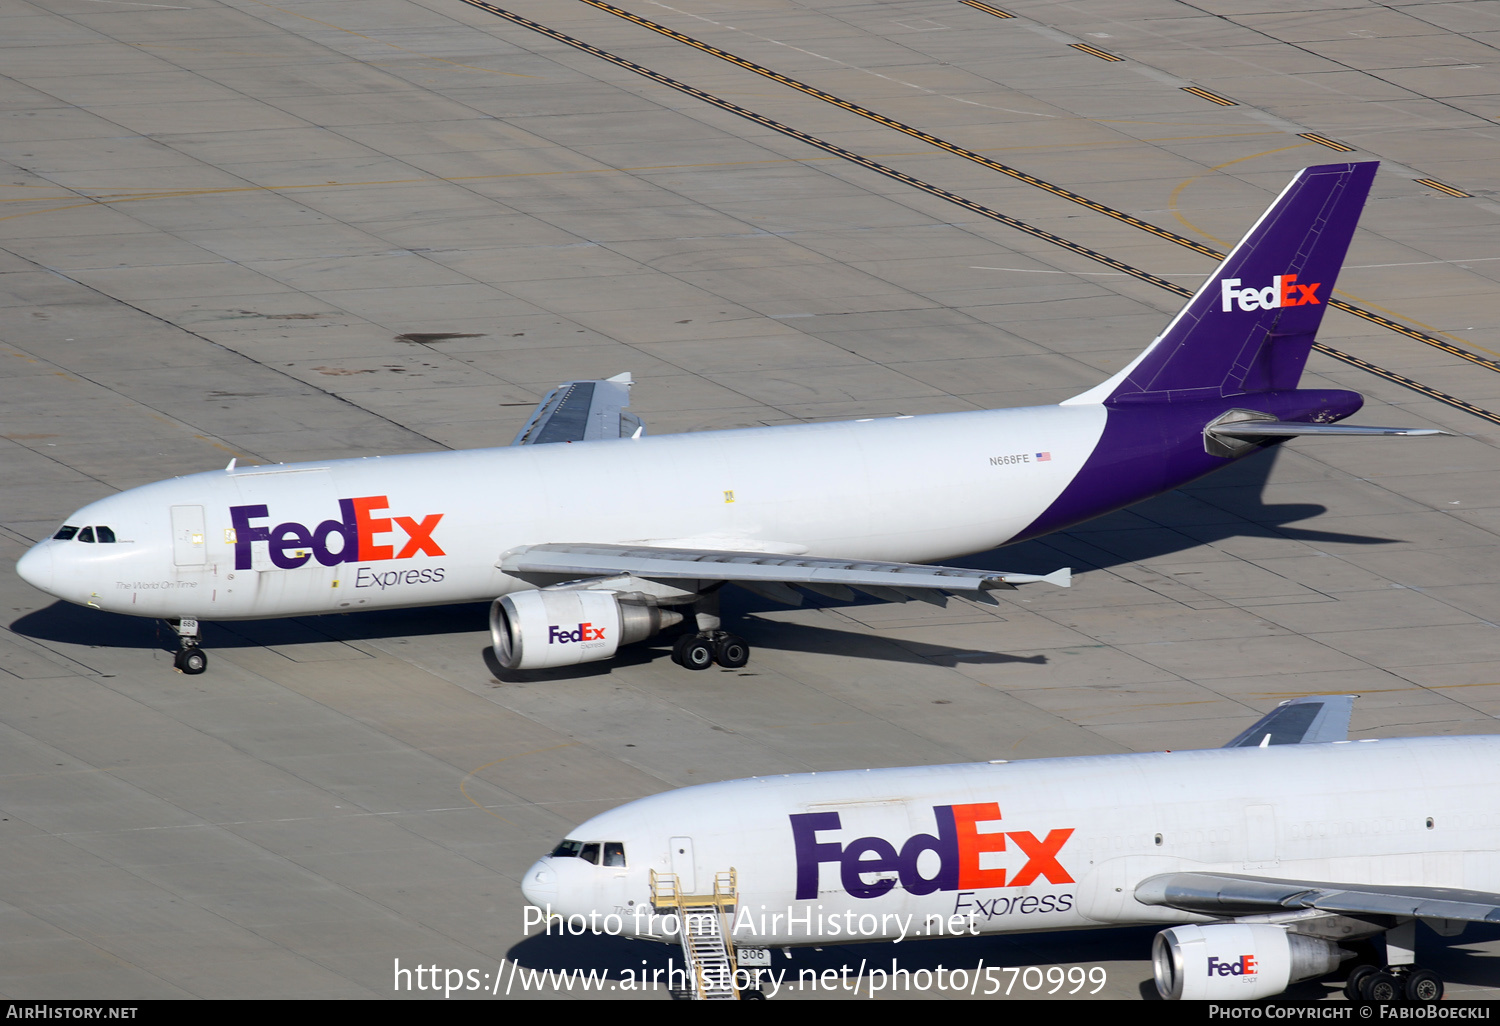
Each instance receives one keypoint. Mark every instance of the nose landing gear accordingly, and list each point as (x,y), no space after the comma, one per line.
(190,659)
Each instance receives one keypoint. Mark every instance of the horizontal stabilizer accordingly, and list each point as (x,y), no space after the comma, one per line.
(1310,720)
(582,411)
(1291,429)
(1225,894)
(715,565)
(1062,578)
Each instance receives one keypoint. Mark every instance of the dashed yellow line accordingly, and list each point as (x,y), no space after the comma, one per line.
(987,9)
(1323,140)
(970,205)
(1103,56)
(978,158)
(1222,101)
(1433,183)
(892,123)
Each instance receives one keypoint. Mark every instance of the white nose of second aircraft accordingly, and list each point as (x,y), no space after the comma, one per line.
(539,885)
(36,568)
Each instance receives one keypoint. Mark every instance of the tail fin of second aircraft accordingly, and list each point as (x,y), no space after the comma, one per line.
(1252,324)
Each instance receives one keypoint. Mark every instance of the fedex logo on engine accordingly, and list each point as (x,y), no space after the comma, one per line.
(360,534)
(561,635)
(958,845)
(1283,291)
(1242,966)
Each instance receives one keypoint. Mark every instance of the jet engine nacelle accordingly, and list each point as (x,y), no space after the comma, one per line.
(1237,961)
(533,630)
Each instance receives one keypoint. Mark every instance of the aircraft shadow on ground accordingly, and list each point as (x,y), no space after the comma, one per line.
(76,625)
(768,634)
(1227,504)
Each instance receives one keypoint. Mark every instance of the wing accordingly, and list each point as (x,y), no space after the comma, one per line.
(582,411)
(1229,895)
(768,573)
(1301,721)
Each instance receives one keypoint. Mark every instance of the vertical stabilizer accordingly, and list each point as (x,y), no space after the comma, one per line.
(1252,324)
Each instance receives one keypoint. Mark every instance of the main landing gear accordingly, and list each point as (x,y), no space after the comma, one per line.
(712,644)
(700,651)
(190,659)
(1401,979)
(1393,983)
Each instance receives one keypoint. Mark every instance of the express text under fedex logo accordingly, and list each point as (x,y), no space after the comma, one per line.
(958,845)
(358,537)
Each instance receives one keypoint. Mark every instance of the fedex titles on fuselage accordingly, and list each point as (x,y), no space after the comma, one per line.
(958,847)
(1283,291)
(362,537)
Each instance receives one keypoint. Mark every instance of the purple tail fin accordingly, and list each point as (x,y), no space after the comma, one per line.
(1251,326)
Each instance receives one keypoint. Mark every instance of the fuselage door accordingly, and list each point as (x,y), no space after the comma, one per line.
(188,537)
(683,864)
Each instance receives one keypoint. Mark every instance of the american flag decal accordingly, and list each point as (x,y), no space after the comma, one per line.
(1043,457)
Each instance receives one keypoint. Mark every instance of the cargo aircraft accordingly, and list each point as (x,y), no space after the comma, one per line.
(1265,859)
(588,535)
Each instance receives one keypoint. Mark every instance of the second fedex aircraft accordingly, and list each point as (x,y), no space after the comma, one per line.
(1270,861)
(588,535)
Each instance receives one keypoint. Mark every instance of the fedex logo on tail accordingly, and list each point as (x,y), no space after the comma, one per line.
(361,535)
(1283,291)
(958,845)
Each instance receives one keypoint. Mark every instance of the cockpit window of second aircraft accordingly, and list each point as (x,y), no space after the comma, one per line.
(614,852)
(88,534)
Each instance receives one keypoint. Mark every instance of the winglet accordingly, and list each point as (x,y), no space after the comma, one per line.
(582,411)
(1062,578)
(1312,719)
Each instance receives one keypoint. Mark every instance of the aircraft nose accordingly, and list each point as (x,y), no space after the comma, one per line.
(36,567)
(539,885)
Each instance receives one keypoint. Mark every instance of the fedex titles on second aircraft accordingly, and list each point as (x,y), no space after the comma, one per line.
(958,846)
(361,536)
(1283,291)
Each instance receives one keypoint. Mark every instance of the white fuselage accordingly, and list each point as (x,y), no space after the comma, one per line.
(430,528)
(1039,845)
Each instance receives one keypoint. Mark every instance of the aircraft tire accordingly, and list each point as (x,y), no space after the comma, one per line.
(1382,986)
(191,661)
(1424,987)
(731,652)
(1353,986)
(693,652)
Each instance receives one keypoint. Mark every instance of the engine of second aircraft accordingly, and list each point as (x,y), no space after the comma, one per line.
(1237,961)
(534,630)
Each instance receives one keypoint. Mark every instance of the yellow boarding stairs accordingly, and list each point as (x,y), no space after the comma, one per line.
(707,948)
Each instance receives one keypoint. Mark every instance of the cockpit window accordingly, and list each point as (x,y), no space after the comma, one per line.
(65,532)
(105,534)
(614,852)
(86,535)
